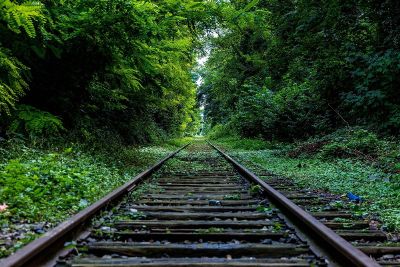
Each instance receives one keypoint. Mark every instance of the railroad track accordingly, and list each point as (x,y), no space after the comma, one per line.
(198,207)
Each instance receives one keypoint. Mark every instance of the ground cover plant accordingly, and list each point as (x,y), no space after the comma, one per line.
(377,182)
(40,187)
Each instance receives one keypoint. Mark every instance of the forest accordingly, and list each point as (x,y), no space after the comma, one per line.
(94,68)
(293,69)
(99,88)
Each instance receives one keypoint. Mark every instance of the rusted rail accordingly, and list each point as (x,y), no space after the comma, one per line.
(354,255)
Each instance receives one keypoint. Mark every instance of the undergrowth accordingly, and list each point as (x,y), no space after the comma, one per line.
(48,184)
(349,160)
(244,143)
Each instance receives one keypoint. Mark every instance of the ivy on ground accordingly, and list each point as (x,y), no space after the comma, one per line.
(379,189)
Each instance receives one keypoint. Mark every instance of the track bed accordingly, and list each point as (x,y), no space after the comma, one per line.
(200,212)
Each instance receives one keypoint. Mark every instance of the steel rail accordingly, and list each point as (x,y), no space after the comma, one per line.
(42,244)
(342,247)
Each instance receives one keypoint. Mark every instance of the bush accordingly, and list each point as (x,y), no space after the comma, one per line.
(178,142)
(234,142)
(248,144)
(220,131)
(34,123)
(352,142)
(364,141)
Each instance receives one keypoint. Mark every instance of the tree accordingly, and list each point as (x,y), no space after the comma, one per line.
(290,67)
(16,19)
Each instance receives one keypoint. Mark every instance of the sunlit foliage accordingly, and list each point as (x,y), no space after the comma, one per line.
(117,67)
(15,19)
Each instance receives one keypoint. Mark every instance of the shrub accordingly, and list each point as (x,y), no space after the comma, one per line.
(35,123)
(348,142)
(248,144)
(364,141)
(220,131)
(178,142)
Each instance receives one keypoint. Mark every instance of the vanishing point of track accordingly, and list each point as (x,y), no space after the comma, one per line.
(197,207)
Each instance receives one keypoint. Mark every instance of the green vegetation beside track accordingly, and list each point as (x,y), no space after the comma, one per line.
(373,176)
(40,187)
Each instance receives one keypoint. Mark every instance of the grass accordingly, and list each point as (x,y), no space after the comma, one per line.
(379,189)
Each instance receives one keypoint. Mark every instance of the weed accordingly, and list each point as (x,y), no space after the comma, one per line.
(210,230)
(264,209)
(342,220)
(145,188)
(255,190)
(277,226)
(232,197)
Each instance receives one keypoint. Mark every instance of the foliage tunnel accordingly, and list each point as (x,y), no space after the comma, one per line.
(276,69)
(103,67)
